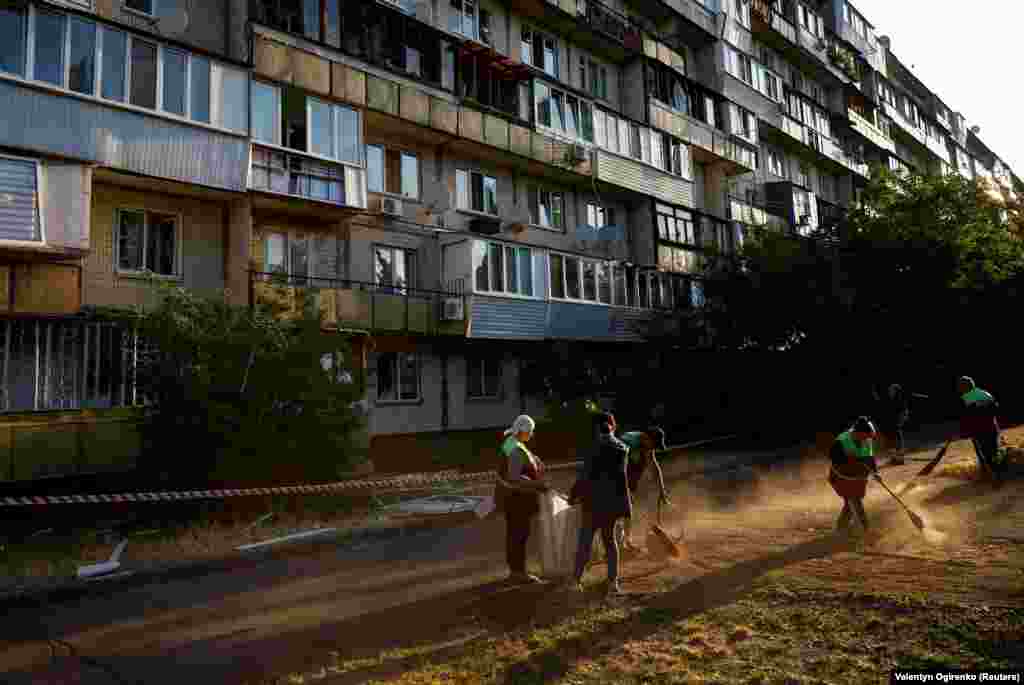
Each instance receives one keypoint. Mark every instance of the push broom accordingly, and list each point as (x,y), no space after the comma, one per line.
(929,467)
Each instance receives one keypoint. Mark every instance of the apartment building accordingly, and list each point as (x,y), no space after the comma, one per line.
(464,185)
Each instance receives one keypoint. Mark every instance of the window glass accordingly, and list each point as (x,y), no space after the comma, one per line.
(233,98)
(497,263)
(586,122)
(604,283)
(13,25)
(311,19)
(410,175)
(298,256)
(383,266)
(130,240)
(490,187)
(144,6)
(550,56)
(200,93)
(320,128)
(264,112)
(174,81)
(572,278)
(511,270)
(526,271)
(557,273)
(375,168)
(408,377)
(143,74)
(115,47)
(82,60)
(480,266)
(49,41)
(619,277)
(275,254)
(160,244)
(350,134)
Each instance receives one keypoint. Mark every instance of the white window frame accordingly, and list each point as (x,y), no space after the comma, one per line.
(533,197)
(410,274)
(462,19)
(742,12)
(597,215)
(40,201)
(177,275)
(535,261)
(597,264)
(150,14)
(399,357)
(563,132)
(278,114)
(468,205)
(485,360)
(289,237)
(402,152)
(544,36)
(776,163)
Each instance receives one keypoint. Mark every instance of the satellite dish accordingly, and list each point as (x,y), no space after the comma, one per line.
(176,22)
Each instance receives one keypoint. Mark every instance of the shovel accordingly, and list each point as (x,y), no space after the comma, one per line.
(929,467)
(914,518)
(660,543)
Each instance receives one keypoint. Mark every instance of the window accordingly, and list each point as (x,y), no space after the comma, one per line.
(200,89)
(21,215)
(394,268)
(392,171)
(82,59)
(593,78)
(599,216)
(142,74)
(294,120)
(587,280)
(669,87)
(483,377)
(463,18)
(49,48)
(476,192)
(675,225)
(742,8)
(175,74)
(13,39)
(147,241)
(540,50)
(564,113)
(800,175)
(143,6)
(266,113)
(771,85)
(776,165)
(677,259)
(503,269)
(115,61)
(230,95)
(746,69)
(398,377)
(288,255)
(547,208)
(810,21)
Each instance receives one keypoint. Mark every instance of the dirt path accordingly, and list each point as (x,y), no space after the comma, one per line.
(438,593)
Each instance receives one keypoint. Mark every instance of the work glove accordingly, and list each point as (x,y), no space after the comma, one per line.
(877,476)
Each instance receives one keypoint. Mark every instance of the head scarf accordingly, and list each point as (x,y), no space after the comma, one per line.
(522,424)
(968,380)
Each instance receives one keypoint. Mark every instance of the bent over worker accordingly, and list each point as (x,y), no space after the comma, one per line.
(642,447)
(853,462)
(980,423)
(521,482)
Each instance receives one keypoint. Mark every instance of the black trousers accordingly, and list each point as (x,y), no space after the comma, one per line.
(851,506)
(986,446)
(517,534)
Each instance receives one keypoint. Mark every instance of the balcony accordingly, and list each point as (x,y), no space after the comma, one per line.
(590,23)
(798,137)
(632,174)
(611,24)
(939,148)
(868,130)
(911,129)
(347,305)
(688,21)
(868,48)
(829,214)
(297,175)
(765,19)
(709,144)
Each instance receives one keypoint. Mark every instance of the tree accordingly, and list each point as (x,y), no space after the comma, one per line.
(239,394)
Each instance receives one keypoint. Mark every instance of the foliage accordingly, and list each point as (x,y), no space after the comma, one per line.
(237,393)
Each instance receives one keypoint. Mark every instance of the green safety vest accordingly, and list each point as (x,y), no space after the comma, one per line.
(632,441)
(976,395)
(865,450)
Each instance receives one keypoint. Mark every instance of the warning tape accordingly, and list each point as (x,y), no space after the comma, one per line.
(398,483)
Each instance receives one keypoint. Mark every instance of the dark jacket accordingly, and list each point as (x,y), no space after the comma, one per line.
(980,418)
(604,468)
(849,475)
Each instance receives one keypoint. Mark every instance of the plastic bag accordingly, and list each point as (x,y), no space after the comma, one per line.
(559,526)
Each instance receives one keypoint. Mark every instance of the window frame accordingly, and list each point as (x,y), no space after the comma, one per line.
(595,209)
(484,360)
(177,275)
(410,273)
(560,128)
(534,255)
(151,14)
(598,265)
(399,357)
(40,200)
(534,193)
(468,208)
(402,153)
(544,37)
(290,275)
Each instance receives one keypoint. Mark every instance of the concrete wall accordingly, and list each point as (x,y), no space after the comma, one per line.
(201,246)
(201,24)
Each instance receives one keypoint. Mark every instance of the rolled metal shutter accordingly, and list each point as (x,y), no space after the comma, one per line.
(19,203)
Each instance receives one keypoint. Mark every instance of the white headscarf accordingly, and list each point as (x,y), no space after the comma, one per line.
(522,424)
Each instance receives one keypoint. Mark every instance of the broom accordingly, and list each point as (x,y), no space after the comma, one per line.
(929,467)
(914,518)
(660,543)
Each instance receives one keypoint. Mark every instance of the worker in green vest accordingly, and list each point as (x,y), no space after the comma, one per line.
(853,462)
(979,422)
(642,448)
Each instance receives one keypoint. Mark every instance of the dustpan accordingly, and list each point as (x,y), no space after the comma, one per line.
(660,544)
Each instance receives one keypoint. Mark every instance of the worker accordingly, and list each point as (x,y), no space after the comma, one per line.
(605,500)
(853,462)
(521,482)
(642,447)
(895,415)
(980,423)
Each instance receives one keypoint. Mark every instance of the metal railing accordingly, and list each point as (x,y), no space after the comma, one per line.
(695,12)
(296,174)
(611,23)
(353,303)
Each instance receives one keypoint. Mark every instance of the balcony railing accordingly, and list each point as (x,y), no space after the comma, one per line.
(867,129)
(700,134)
(696,13)
(349,304)
(291,173)
(912,129)
(730,149)
(610,23)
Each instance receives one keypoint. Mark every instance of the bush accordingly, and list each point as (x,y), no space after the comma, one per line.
(237,394)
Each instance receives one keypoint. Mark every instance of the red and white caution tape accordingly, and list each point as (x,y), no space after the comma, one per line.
(397,483)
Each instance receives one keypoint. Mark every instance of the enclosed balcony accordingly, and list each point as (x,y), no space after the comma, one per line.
(860,120)
(709,145)
(359,305)
(588,23)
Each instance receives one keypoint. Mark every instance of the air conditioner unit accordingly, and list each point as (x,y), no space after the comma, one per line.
(454,309)
(391,205)
(576,153)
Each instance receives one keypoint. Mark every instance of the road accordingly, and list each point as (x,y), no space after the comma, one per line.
(269,616)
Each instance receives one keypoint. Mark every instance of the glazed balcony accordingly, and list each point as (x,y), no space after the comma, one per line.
(294,174)
(868,130)
(358,305)
(588,23)
(709,145)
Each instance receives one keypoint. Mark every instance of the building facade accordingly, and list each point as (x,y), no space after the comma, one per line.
(461,183)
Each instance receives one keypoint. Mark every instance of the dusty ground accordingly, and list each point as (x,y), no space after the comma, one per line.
(766,595)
